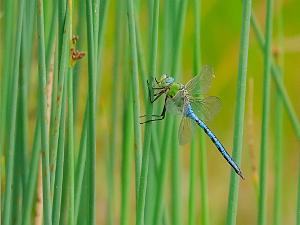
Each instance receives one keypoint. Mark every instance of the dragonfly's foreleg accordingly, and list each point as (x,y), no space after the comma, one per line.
(156,95)
(160,117)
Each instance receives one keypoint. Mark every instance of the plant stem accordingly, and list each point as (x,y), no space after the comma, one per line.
(12,105)
(278,123)
(279,84)
(47,208)
(261,220)
(114,110)
(158,209)
(239,111)
(91,153)
(135,87)
(142,185)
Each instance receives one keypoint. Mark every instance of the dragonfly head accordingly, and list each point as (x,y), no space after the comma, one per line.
(165,80)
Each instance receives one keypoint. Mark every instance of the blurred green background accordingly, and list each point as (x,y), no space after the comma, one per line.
(220,40)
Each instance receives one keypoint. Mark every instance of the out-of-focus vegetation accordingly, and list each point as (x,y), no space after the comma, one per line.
(72,87)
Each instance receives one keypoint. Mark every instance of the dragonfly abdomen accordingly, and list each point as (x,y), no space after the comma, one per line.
(190,113)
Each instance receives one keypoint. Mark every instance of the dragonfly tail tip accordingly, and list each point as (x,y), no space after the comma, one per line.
(241,175)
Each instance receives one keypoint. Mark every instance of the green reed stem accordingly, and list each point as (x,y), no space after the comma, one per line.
(71,158)
(62,73)
(12,104)
(175,180)
(126,159)
(156,219)
(203,158)
(80,166)
(239,111)
(91,115)
(59,172)
(142,185)
(261,220)
(191,212)
(114,110)
(135,86)
(47,208)
(278,123)
(8,39)
(32,176)
(279,84)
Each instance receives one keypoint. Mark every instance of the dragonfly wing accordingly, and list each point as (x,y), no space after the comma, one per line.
(200,84)
(206,108)
(185,131)
(176,104)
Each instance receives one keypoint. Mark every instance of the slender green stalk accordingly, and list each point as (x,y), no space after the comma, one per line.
(154,150)
(114,111)
(125,161)
(142,185)
(32,176)
(91,116)
(47,208)
(278,123)
(279,84)
(80,166)
(203,158)
(71,157)
(77,68)
(12,121)
(57,195)
(135,87)
(203,181)
(51,36)
(17,180)
(70,151)
(261,220)
(156,219)
(239,111)
(62,73)
(8,37)
(175,180)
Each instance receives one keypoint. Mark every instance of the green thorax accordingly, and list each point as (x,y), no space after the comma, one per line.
(174,88)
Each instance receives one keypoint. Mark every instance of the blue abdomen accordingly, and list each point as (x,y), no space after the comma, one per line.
(190,114)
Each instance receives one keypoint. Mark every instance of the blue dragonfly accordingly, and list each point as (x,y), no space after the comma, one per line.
(189,101)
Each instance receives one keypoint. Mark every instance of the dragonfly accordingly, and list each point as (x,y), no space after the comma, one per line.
(191,103)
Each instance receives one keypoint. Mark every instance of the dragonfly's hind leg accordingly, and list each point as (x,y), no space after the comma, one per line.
(160,117)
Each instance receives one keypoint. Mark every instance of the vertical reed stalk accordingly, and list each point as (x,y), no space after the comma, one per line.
(58,183)
(239,111)
(91,153)
(47,208)
(276,76)
(142,185)
(114,110)
(63,46)
(12,114)
(158,209)
(278,123)
(262,205)
(70,150)
(135,87)
(126,159)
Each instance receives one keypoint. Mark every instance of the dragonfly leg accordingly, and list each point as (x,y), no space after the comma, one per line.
(156,95)
(161,116)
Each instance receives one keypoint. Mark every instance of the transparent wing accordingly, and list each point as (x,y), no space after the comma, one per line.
(185,130)
(175,105)
(200,84)
(207,107)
